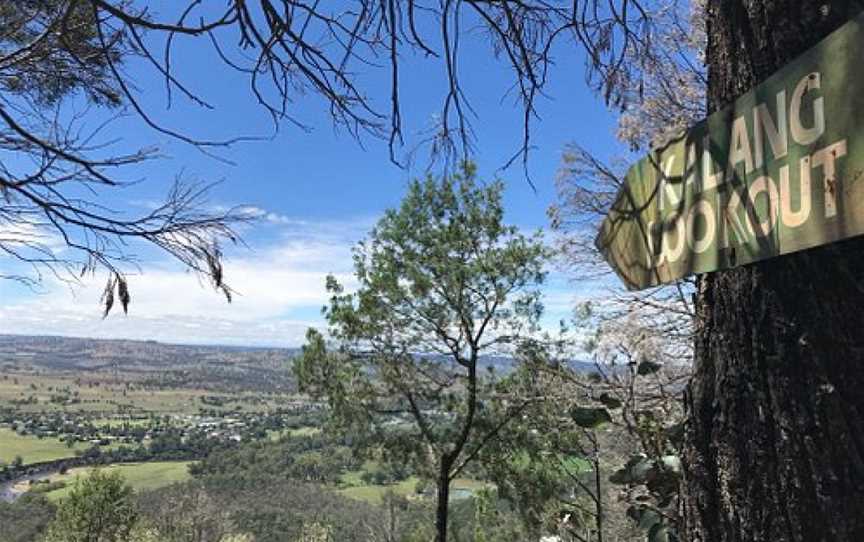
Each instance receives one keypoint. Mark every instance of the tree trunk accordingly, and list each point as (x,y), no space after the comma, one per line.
(774,443)
(443,501)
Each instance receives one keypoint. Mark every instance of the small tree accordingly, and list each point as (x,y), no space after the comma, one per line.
(442,281)
(99,508)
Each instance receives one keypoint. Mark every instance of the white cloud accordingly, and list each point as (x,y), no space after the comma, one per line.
(279,284)
(29,239)
(280,290)
(269,216)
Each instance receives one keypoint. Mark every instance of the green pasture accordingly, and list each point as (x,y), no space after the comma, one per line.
(141,476)
(33,449)
(354,487)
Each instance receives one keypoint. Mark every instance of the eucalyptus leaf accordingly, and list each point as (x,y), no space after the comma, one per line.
(660,533)
(644,517)
(636,471)
(620,477)
(610,401)
(640,471)
(590,417)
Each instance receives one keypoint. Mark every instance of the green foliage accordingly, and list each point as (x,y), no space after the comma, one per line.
(590,417)
(47,487)
(25,519)
(636,471)
(655,482)
(314,458)
(653,523)
(644,516)
(139,476)
(184,513)
(277,511)
(486,518)
(316,532)
(440,281)
(662,478)
(543,454)
(437,276)
(610,401)
(68,55)
(99,508)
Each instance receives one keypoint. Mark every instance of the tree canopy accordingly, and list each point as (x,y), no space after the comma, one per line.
(99,508)
(443,284)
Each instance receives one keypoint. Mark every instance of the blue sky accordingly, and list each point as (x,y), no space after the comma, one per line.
(319,192)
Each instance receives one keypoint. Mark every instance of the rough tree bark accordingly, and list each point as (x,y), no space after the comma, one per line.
(774,443)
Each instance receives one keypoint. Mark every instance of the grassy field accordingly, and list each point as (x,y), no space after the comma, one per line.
(108,396)
(120,422)
(375,493)
(141,476)
(32,449)
(304,431)
(275,435)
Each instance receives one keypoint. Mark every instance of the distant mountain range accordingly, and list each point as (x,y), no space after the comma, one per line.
(85,353)
(220,366)
(207,366)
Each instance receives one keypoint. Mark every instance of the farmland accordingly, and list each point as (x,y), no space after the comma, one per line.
(141,476)
(374,493)
(108,378)
(163,416)
(101,402)
(32,449)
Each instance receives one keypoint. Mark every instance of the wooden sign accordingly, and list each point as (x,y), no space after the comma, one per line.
(780,170)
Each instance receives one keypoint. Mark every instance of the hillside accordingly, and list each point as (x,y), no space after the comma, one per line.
(202,367)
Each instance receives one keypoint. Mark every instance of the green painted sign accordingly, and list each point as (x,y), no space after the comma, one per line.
(780,170)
